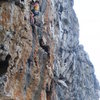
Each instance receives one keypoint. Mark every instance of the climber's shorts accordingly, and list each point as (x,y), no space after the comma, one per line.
(36,13)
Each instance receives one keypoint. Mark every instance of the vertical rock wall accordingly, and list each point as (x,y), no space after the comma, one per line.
(15,42)
(43,61)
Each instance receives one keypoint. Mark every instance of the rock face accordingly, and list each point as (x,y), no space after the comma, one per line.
(43,61)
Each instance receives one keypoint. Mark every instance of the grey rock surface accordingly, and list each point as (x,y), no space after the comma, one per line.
(72,64)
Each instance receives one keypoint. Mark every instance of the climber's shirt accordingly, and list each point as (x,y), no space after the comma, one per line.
(36,6)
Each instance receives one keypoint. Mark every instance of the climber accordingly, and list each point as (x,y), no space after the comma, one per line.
(35,8)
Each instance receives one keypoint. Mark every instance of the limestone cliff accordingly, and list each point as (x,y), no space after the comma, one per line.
(43,61)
